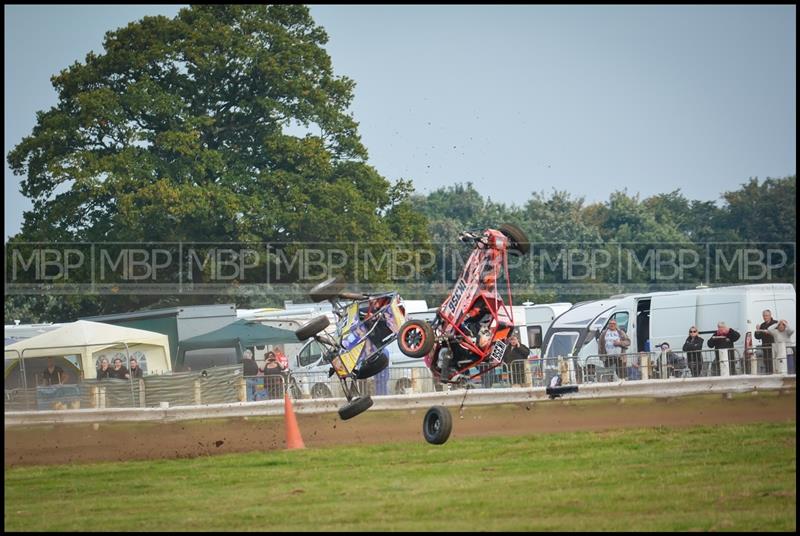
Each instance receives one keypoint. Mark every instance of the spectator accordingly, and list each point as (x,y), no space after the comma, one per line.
(693,347)
(782,334)
(283,361)
(136,370)
(273,376)
(250,371)
(119,371)
(723,339)
(633,364)
(612,344)
(53,374)
(104,371)
(762,333)
(382,379)
(516,351)
(675,362)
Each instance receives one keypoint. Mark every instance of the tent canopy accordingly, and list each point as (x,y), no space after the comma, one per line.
(86,339)
(238,335)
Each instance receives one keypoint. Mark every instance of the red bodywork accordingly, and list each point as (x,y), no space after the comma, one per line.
(473,303)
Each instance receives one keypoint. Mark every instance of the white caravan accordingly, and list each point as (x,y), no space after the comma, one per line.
(533,320)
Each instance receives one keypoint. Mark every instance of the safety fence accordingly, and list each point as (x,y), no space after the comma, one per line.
(215,385)
(220,385)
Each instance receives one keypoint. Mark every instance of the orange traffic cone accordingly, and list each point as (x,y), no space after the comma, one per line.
(293,438)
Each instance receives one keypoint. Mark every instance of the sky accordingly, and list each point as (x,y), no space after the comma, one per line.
(515,99)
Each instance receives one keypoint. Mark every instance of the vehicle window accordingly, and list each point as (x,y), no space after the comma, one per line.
(535,336)
(561,344)
(310,354)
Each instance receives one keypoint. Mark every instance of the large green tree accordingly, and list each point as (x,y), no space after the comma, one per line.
(225,123)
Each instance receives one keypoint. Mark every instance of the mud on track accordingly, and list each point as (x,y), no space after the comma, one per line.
(138,441)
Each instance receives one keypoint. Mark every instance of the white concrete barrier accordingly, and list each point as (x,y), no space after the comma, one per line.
(475,397)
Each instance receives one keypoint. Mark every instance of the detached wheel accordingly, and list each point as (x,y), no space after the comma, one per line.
(437,425)
(415,338)
(330,288)
(371,368)
(312,327)
(355,407)
(519,242)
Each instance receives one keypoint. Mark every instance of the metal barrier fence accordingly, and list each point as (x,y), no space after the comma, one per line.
(227,384)
(211,386)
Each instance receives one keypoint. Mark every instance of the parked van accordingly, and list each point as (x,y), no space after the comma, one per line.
(652,318)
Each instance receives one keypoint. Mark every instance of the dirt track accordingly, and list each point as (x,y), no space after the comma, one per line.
(81,443)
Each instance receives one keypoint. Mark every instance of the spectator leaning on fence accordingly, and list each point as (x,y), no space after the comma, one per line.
(136,370)
(273,376)
(612,344)
(763,334)
(723,339)
(782,334)
(104,371)
(53,374)
(693,347)
(119,371)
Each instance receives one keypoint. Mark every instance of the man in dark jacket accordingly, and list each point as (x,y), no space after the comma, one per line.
(516,351)
(723,339)
(693,347)
(762,334)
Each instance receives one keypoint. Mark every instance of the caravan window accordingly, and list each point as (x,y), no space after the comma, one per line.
(561,344)
(310,354)
(534,336)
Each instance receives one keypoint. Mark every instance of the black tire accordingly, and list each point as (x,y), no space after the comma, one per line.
(328,289)
(312,327)
(355,407)
(519,242)
(437,425)
(319,390)
(371,368)
(415,338)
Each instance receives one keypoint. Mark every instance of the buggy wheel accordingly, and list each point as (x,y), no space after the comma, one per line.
(415,338)
(372,367)
(356,407)
(312,327)
(330,288)
(519,242)
(320,390)
(437,425)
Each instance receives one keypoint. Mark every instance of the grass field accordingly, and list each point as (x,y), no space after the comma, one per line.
(733,477)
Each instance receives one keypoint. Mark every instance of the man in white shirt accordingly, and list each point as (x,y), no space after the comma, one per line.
(612,344)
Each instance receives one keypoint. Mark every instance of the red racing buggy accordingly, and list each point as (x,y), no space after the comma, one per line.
(471,326)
